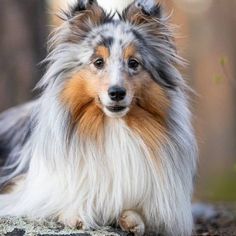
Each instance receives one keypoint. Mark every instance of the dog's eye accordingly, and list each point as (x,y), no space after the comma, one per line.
(133,64)
(99,63)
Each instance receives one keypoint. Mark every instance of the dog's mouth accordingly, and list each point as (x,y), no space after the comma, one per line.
(115,108)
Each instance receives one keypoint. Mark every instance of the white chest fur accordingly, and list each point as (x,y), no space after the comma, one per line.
(97,185)
(120,177)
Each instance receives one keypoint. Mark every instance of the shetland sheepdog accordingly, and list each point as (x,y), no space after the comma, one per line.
(109,141)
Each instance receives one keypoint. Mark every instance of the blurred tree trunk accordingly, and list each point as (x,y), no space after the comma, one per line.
(227,28)
(23,30)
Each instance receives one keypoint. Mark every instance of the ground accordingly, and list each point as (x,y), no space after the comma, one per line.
(220,222)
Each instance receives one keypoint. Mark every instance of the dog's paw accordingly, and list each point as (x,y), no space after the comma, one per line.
(131,221)
(72,222)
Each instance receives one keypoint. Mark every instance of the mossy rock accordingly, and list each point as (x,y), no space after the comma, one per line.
(11,226)
(222,222)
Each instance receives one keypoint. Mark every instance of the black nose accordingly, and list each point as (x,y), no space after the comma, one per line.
(117,93)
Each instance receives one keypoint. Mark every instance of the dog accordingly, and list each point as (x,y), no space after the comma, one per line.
(110,140)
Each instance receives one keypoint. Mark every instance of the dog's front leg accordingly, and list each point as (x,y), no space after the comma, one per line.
(73,222)
(131,221)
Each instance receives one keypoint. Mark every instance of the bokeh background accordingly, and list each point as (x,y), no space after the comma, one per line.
(206,37)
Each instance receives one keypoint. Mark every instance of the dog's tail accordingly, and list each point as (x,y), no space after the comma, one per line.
(15,129)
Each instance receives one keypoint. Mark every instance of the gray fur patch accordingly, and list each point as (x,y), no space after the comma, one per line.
(15,130)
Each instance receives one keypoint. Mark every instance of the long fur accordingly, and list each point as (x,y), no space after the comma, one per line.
(16,125)
(67,173)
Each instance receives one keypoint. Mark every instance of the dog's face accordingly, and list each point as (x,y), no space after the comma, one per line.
(116,66)
(114,74)
(123,63)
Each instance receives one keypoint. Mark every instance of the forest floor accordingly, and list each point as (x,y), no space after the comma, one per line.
(218,221)
(221,223)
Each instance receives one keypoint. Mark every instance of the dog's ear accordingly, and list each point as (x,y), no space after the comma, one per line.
(83,17)
(81,5)
(142,12)
(87,11)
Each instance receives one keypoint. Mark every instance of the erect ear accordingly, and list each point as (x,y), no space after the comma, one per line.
(85,15)
(142,12)
(85,8)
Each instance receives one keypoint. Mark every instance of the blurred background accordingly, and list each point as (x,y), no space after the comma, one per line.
(206,38)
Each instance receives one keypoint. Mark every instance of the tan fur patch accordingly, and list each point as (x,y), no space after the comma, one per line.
(148,114)
(91,124)
(147,127)
(80,96)
(77,94)
(154,99)
(102,52)
(129,52)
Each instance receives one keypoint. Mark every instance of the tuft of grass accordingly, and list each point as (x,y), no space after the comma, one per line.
(218,79)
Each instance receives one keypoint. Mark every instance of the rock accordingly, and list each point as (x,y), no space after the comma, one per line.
(204,211)
(12,226)
(210,220)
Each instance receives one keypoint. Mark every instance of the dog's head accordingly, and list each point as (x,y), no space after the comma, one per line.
(116,63)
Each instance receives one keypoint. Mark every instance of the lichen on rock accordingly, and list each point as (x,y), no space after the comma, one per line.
(13,226)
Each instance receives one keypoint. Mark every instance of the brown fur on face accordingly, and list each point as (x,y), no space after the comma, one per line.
(80,96)
(102,52)
(148,111)
(152,98)
(129,52)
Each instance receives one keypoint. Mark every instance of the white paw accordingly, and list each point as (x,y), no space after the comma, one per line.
(72,222)
(131,221)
